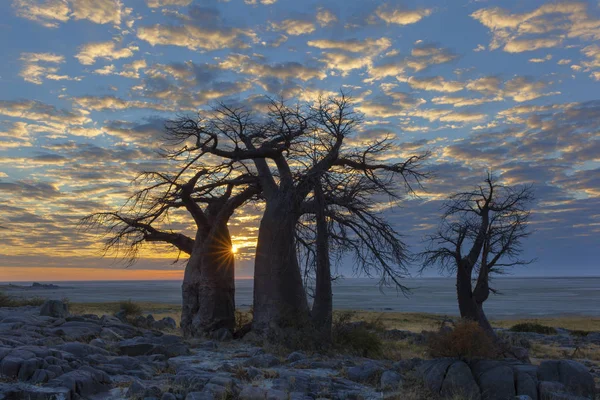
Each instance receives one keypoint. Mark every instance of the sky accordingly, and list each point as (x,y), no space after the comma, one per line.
(86,85)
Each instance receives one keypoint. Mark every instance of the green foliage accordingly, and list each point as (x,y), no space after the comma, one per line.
(466,340)
(130,308)
(356,338)
(533,327)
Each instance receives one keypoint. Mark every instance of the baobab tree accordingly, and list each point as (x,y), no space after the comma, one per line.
(210,194)
(291,148)
(343,220)
(481,234)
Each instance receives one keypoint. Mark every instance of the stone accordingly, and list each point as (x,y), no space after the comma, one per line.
(573,375)
(168,345)
(55,309)
(459,381)
(252,393)
(168,396)
(221,335)
(81,350)
(295,356)
(84,381)
(274,394)
(165,323)
(497,383)
(432,372)
(263,361)
(366,373)
(390,381)
(10,366)
(28,368)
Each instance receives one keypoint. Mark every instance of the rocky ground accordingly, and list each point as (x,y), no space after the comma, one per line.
(47,354)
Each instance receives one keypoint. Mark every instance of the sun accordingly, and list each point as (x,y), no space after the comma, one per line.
(234,249)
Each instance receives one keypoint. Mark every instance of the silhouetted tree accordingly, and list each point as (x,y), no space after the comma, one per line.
(481,234)
(281,144)
(210,194)
(343,220)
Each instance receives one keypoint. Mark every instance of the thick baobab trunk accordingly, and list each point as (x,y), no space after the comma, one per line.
(322,310)
(279,297)
(468,305)
(208,286)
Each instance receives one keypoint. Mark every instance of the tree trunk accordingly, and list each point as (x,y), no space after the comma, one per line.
(322,309)
(209,285)
(279,296)
(468,305)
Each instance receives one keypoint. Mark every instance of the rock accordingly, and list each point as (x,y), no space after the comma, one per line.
(168,345)
(274,394)
(136,389)
(368,372)
(165,323)
(28,368)
(222,335)
(252,393)
(121,315)
(10,366)
(403,366)
(213,391)
(432,372)
(390,381)
(168,396)
(497,383)
(54,308)
(84,381)
(33,392)
(522,397)
(295,356)
(459,381)
(573,375)
(526,381)
(81,350)
(263,361)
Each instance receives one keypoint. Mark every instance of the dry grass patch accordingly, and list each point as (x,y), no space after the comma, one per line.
(466,340)
(590,324)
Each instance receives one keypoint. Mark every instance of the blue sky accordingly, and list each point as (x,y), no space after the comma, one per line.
(85,87)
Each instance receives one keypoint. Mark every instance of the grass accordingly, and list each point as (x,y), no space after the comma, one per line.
(8,301)
(533,327)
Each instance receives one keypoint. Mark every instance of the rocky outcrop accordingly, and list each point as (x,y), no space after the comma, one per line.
(54,308)
(506,379)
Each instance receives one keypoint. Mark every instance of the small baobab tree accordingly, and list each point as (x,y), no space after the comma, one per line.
(209,193)
(481,234)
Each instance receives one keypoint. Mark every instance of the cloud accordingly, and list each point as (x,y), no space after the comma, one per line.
(50,13)
(194,37)
(263,2)
(294,27)
(98,11)
(285,70)
(523,89)
(39,66)
(166,3)
(401,17)
(541,60)
(325,17)
(436,83)
(422,57)
(353,45)
(547,26)
(90,52)
(344,63)
(37,111)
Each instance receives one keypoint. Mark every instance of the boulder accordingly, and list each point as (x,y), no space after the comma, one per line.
(165,323)
(573,375)
(390,381)
(369,372)
(497,383)
(295,356)
(459,381)
(55,309)
(252,393)
(432,372)
(263,361)
(84,382)
(168,345)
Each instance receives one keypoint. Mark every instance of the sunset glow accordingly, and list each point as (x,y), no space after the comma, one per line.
(86,88)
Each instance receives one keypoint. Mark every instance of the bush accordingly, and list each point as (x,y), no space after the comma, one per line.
(130,308)
(466,340)
(580,333)
(6,300)
(533,327)
(356,338)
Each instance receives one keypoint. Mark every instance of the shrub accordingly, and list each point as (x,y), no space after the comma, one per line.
(356,338)
(466,340)
(130,308)
(533,327)
(580,333)
(6,300)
